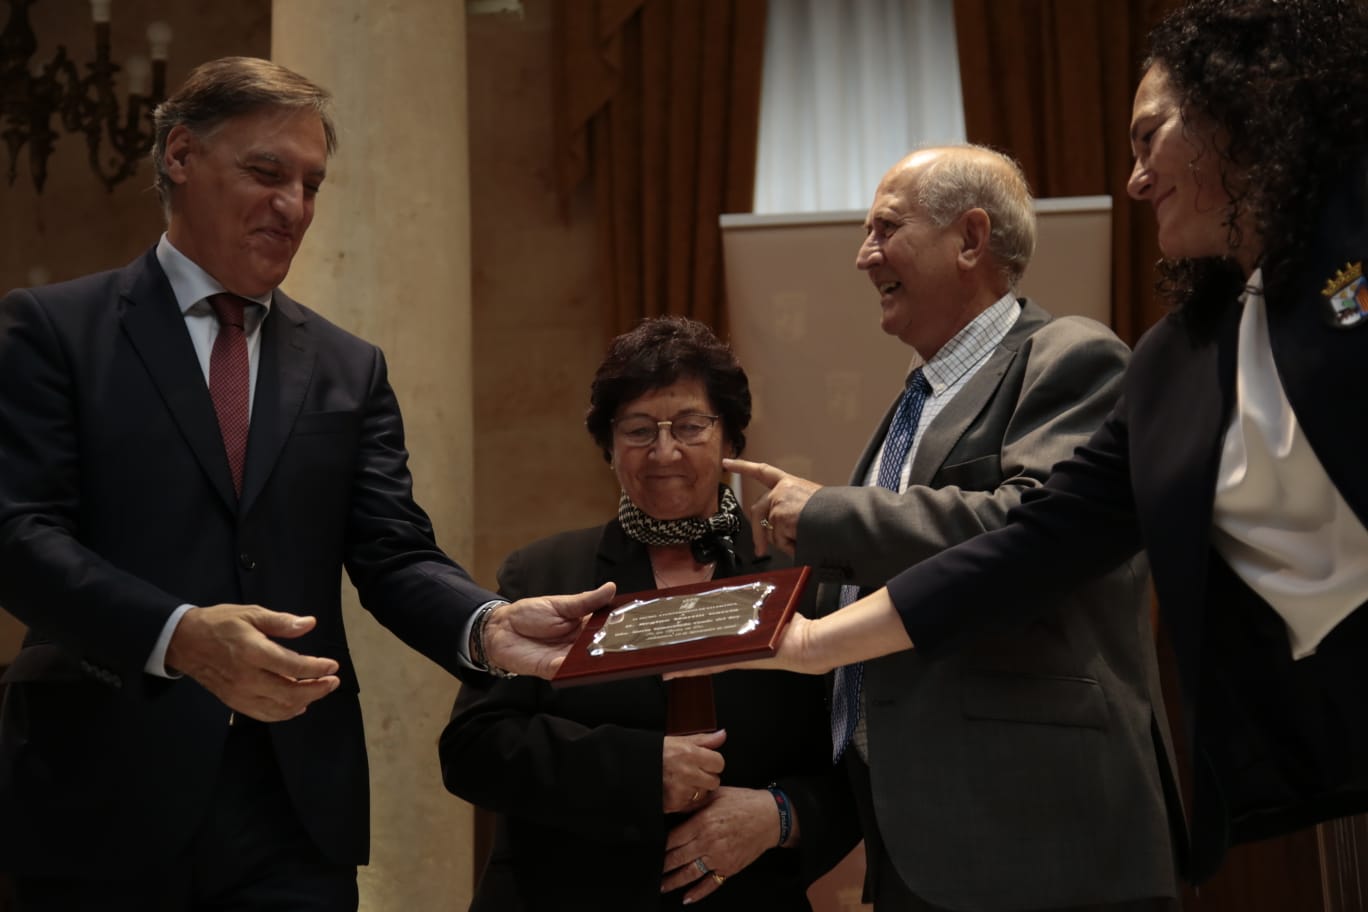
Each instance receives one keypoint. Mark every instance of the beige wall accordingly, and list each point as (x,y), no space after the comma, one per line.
(389,257)
(539,334)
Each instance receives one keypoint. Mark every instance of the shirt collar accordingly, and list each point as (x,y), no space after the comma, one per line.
(968,346)
(190,283)
(1254,287)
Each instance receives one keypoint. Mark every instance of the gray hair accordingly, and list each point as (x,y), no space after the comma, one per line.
(229,87)
(977,177)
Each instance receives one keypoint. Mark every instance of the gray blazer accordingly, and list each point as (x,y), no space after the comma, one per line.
(1031,769)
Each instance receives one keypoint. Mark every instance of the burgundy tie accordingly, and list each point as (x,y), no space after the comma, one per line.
(230,381)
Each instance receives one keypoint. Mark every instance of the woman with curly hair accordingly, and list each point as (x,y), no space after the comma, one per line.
(1237,456)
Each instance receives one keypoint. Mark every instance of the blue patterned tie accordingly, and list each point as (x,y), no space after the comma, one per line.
(845,694)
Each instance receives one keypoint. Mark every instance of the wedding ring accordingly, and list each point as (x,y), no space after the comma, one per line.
(702,868)
(766,524)
(695,796)
(717,878)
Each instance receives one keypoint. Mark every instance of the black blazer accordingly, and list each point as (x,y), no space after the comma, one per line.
(575,774)
(116,506)
(1147,479)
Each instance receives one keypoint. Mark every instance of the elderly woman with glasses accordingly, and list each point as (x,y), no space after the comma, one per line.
(598,807)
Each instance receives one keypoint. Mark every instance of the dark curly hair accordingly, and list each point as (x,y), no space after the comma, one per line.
(1286,84)
(658,353)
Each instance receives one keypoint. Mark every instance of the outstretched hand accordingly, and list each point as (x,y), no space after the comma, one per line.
(228,650)
(774,516)
(794,652)
(866,629)
(532,636)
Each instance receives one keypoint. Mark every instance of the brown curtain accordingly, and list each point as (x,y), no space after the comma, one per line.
(658,105)
(1051,83)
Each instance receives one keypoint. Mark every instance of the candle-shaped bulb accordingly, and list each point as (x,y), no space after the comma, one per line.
(99,10)
(139,71)
(159,37)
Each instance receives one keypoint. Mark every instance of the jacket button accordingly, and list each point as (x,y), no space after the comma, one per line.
(246,561)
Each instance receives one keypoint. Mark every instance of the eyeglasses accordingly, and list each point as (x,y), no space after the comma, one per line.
(686,429)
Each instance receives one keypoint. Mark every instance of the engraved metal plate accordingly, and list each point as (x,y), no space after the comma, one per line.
(673,619)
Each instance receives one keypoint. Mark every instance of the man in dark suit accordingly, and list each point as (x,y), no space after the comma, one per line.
(1029,772)
(188,459)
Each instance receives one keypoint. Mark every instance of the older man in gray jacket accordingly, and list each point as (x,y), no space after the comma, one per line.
(1030,771)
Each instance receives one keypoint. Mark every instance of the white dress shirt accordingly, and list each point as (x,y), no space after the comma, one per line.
(1280,522)
(193,287)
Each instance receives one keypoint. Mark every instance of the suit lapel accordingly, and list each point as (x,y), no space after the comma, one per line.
(622,559)
(746,561)
(284,368)
(155,327)
(1321,372)
(857,478)
(940,437)
(1320,365)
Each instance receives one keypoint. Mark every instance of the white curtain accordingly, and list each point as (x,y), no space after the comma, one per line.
(851,86)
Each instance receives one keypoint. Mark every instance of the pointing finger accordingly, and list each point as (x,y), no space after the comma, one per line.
(761,472)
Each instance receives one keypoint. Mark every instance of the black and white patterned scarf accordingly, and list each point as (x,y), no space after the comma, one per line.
(710,538)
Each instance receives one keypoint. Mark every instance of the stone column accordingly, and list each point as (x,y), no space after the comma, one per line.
(388,258)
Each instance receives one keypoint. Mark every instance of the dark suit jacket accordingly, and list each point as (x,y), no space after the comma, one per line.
(116,506)
(575,773)
(1029,770)
(1147,478)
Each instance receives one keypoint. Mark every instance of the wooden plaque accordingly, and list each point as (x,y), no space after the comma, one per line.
(647,633)
(689,706)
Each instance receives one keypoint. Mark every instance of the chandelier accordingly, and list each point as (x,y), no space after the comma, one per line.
(32,93)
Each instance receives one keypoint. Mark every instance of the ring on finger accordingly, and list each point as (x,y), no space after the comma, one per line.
(702,868)
(694,797)
(766,524)
(718,878)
